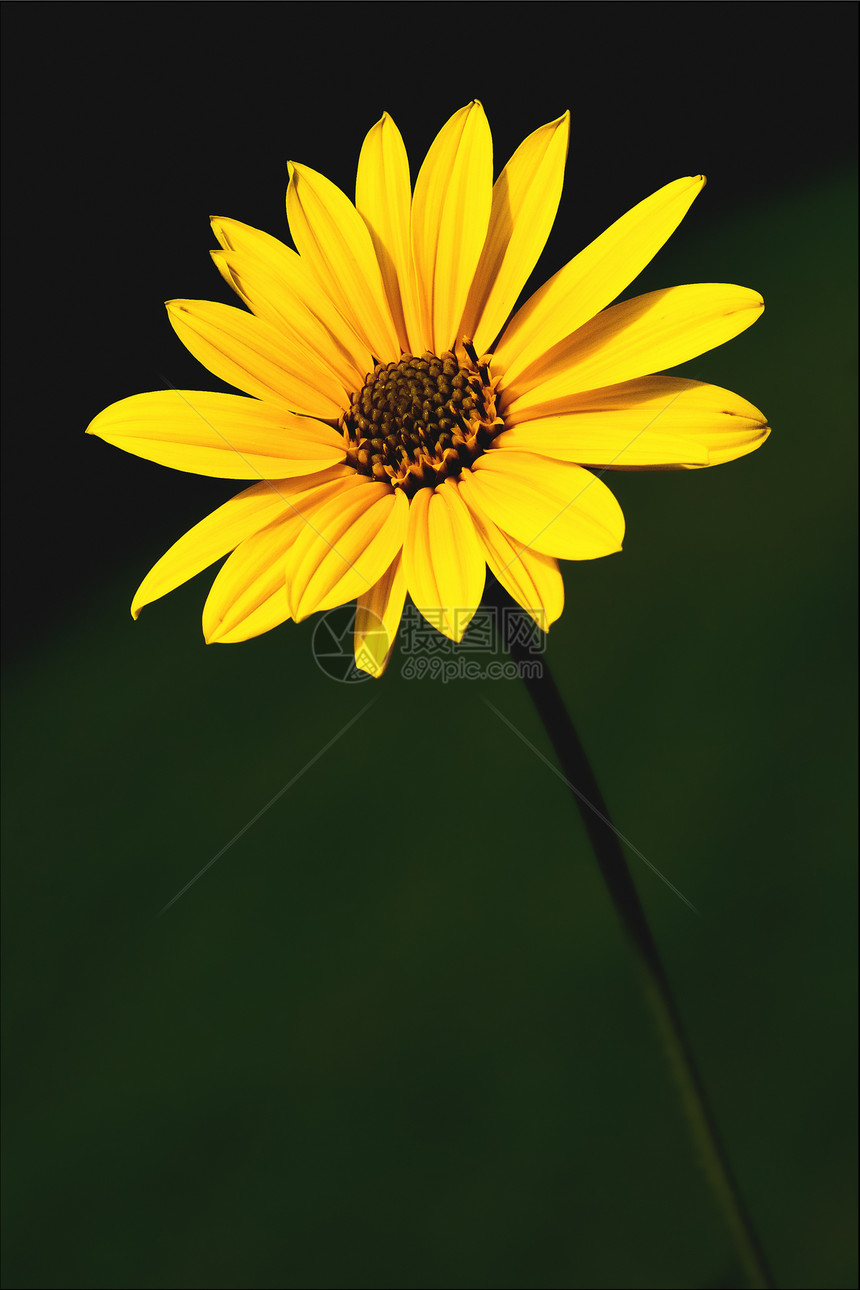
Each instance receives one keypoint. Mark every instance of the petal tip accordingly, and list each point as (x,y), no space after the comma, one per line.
(292,607)
(369,666)
(219,225)
(688,182)
(754,301)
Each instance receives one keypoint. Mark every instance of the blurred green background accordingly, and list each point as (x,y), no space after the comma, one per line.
(393,1037)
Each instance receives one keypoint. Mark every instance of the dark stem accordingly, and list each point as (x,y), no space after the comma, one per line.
(610,857)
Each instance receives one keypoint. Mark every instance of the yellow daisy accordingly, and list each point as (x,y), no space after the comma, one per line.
(403,433)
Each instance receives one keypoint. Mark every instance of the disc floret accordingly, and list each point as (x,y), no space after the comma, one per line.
(422,419)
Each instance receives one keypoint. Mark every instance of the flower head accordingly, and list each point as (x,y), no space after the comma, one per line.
(402,432)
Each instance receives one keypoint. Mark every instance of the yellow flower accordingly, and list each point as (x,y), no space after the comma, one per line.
(402,432)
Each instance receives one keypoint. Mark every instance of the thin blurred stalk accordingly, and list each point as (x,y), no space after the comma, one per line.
(610,858)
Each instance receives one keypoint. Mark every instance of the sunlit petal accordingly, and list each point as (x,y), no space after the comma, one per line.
(633,339)
(253,355)
(525,200)
(383,198)
(224,529)
(334,240)
(593,279)
(345,546)
(553,507)
(450,216)
(219,434)
(444,561)
(377,618)
(657,422)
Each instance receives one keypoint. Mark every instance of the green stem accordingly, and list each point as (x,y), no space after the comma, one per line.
(610,857)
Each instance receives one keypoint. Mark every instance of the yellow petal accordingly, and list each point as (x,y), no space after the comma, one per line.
(249,595)
(657,422)
(383,198)
(277,285)
(345,546)
(443,559)
(592,280)
(377,618)
(218,434)
(256,357)
(223,530)
(525,200)
(269,297)
(634,339)
(532,579)
(334,241)
(233,235)
(450,216)
(553,507)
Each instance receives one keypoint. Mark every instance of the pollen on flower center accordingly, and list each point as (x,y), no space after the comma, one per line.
(417,421)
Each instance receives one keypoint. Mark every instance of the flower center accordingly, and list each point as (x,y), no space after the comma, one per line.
(415,422)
